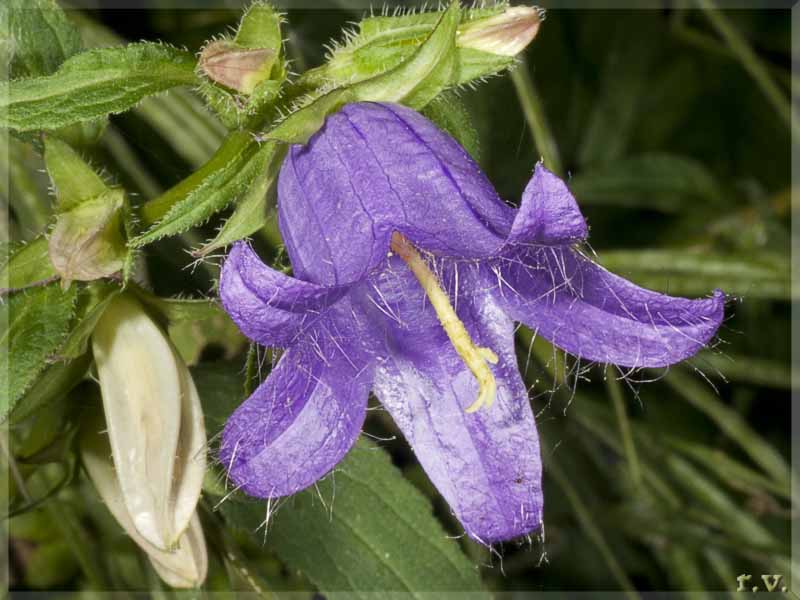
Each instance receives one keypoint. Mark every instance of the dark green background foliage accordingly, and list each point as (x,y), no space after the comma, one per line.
(679,155)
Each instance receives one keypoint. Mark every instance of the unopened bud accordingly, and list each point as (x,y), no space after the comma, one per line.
(185,565)
(87,242)
(154,421)
(505,34)
(237,68)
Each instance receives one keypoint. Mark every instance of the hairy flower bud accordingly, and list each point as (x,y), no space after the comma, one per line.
(506,34)
(237,68)
(154,420)
(243,76)
(183,566)
(88,240)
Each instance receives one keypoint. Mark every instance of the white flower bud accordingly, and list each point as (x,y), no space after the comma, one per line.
(154,421)
(186,564)
(506,34)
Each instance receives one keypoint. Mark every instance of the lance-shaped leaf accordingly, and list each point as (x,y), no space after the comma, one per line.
(94,83)
(251,211)
(216,191)
(87,241)
(154,421)
(184,566)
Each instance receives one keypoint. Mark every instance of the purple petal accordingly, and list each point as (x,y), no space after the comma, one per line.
(548,213)
(302,420)
(371,170)
(591,313)
(267,305)
(486,464)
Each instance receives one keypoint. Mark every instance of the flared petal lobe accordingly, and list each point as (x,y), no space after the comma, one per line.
(378,168)
(548,214)
(486,464)
(596,315)
(270,307)
(302,419)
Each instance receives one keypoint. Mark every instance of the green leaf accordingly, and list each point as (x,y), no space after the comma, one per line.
(28,264)
(356,543)
(95,83)
(690,273)
(663,182)
(214,193)
(38,321)
(42,36)
(234,145)
(251,211)
(377,535)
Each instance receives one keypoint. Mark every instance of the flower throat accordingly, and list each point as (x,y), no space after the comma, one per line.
(475,357)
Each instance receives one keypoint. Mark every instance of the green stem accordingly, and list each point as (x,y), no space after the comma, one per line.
(618,400)
(742,50)
(534,114)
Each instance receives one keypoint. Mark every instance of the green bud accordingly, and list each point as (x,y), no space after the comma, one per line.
(486,42)
(504,34)
(87,241)
(239,69)
(244,75)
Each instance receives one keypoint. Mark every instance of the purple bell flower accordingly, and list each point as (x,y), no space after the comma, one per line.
(410,273)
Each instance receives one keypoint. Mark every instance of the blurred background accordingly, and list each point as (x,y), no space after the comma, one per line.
(673,129)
